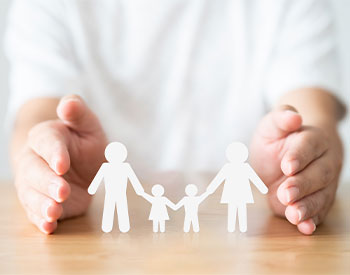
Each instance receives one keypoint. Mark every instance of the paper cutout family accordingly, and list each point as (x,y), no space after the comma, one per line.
(237,175)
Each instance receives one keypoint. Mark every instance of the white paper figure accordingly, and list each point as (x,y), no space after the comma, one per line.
(159,212)
(191,203)
(237,192)
(115,174)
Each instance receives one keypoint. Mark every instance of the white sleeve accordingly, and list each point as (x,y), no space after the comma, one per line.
(39,50)
(305,52)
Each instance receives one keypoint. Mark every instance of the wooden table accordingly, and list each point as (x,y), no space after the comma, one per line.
(271,245)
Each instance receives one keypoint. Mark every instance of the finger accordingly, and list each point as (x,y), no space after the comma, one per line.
(39,204)
(44,226)
(316,204)
(37,174)
(318,175)
(305,147)
(307,227)
(50,141)
(280,122)
(73,111)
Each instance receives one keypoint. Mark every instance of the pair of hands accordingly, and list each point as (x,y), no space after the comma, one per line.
(299,164)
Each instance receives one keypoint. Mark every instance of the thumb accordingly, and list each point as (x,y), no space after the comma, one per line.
(280,122)
(73,111)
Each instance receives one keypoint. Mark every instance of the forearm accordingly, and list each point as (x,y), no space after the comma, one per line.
(30,114)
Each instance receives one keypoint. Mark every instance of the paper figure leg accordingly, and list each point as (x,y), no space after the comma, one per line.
(187,224)
(123,215)
(242,216)
(162,226)
(231,217)
(195,224)
(108,214)
(155,226)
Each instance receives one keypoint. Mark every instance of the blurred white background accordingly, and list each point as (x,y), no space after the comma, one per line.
(341,9)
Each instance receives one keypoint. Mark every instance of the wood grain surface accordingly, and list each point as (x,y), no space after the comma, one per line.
(271,245)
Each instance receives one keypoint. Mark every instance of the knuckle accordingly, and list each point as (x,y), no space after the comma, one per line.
(45,126)
(327,174)
(301,148)
(323,138)
(314,140)
(319,203)
(312,205)
(310,141)
(46,132)
(302,183)
(38,128)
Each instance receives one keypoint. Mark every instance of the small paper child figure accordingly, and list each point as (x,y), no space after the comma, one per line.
(159,212)
(115,174)
(237,175)
(191,203)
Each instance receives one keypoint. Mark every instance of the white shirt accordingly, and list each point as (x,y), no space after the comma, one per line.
(176,81)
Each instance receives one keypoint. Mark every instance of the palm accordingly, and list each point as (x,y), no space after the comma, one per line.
(86,156)
(266,159)
(269,145)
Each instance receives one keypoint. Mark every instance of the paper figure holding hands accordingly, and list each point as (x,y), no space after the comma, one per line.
(191,203)
(115,174)
(159,212)
(237,192)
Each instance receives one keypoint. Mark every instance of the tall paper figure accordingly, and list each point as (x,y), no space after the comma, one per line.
(115,174)
(191,203)
(159,212)
(237,192)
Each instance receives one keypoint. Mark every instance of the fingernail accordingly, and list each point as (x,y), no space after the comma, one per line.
(45,210)
(53,191)
(292,193)
(54,164)
(293,166)
(301,213)
(71,98)
(314,227)
(41,225)
(291,111)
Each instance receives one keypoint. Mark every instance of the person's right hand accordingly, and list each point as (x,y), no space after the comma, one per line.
(58,163)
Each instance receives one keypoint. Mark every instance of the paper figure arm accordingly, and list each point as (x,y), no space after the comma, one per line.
(170,204)
(179,204)
(97,180)
(203,196)
(135,181)
(215,183)
(147,197)
(254,178)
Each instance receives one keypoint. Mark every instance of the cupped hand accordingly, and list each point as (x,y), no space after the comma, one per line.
(300,164)
(58,163)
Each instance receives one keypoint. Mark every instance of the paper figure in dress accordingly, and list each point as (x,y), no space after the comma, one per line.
(191,203)
(159,212)
(115,174)
(237,191)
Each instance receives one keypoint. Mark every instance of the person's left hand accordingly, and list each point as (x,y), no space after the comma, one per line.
(300,164)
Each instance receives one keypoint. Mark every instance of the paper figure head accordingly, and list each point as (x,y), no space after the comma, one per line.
(237,152)
(191,190)
(116,152)
(157,190)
